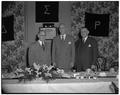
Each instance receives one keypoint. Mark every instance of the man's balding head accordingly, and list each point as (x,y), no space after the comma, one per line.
(84,32)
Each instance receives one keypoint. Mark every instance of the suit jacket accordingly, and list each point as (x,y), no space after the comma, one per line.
(63,52)
(86,53)
(39,55)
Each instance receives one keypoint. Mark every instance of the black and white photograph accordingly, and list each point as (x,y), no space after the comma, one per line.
(60,47)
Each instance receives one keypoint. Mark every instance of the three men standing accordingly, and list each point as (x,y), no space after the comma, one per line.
(65,53)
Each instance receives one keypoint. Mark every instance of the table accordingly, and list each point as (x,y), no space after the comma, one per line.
(101,85)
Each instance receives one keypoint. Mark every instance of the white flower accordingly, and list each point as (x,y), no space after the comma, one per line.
(37,67)
(28,70)
(38,73)
(45,66)
(19,70)
(60,70)
(50,67)
(48,74)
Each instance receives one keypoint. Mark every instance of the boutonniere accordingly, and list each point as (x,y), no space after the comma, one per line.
(69,43)
(89,45)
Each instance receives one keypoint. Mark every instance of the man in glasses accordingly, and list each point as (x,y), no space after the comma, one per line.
(39,52)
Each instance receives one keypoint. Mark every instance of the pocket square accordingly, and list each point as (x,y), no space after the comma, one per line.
(89,45)
(69,43)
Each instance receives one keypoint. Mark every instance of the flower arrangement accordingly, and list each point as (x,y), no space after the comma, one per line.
(36,71)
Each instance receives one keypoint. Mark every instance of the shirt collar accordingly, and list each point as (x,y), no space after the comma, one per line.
(64,35)
(85,38)
(40,42)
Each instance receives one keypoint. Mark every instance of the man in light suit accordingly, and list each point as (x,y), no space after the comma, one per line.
(63,50)
(39,51)
(86,52)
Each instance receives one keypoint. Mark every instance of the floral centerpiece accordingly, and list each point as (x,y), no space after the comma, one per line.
(36,71)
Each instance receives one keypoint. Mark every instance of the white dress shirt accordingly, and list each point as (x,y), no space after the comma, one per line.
(63,36)
(85,39)
(40,42)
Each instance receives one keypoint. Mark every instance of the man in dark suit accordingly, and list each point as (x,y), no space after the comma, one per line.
(63,50)
(39,51)
(86,51)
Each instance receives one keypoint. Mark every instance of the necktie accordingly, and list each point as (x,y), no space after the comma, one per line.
(43,46)
(62,37)
(83,40)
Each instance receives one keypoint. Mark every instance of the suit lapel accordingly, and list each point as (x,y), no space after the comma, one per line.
(85,43)
(39,44)
(40,47)
(61,41)
(66,40)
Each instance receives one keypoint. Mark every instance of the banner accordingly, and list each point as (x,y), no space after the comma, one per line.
(7,28)
(97,24)
(47,11)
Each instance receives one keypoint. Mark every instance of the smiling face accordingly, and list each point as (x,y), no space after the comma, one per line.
(84,32)
(42,35)
(62,29)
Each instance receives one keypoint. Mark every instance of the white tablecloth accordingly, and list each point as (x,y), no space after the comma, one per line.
(58,86)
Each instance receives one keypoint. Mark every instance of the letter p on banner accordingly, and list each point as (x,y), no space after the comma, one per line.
(97,24)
